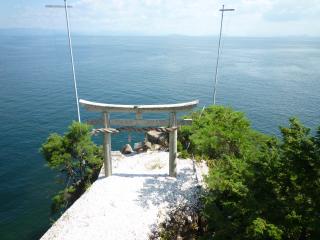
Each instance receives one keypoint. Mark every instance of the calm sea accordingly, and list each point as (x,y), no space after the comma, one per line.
(269,79)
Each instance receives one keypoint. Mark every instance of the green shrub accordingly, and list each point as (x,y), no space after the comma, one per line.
(258,187)
(219,131)
(77,160)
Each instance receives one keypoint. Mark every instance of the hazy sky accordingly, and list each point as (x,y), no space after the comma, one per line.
(161,17)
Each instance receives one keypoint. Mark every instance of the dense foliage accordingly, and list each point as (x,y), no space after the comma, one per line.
(77,160)
(217,132)
(258,187)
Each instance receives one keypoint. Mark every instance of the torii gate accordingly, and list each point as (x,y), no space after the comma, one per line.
(172,122)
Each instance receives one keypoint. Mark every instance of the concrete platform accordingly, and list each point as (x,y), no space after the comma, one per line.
(132,202)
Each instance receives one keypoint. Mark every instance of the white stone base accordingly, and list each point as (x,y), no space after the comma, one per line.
(129,204)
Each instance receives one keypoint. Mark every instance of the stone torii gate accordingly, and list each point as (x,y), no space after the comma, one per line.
(172,122)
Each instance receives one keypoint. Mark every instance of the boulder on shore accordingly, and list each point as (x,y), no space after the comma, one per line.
(139,147)
(142,146)
(156,147)
(155,137)
(148,145)
(127,149)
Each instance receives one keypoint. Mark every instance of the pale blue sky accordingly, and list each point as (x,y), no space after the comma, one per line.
(162,17)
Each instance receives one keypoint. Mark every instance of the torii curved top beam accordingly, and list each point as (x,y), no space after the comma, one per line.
(104,107)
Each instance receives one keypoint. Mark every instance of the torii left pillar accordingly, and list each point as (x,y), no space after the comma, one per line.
(107,146)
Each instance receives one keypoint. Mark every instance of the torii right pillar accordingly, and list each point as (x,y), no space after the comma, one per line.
(173,137)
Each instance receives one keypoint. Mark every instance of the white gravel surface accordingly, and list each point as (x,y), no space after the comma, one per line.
(131,203)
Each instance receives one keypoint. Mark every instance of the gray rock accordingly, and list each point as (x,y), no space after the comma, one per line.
(127,149)
(148,145)
(157,138)
(139,147)
(156,147)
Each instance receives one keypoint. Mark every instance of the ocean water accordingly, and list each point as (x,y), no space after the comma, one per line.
(269,79)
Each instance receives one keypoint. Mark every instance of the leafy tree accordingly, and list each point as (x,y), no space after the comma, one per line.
(300,181)
(258,187)
(76,158)
(217,132)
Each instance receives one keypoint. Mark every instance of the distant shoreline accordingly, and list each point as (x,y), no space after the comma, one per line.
(45,32)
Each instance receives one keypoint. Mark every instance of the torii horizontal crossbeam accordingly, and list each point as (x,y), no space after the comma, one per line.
(56,6)
(104,107)
(140,122)
(226,9)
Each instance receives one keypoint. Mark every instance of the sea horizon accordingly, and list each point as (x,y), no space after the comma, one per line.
(58,32)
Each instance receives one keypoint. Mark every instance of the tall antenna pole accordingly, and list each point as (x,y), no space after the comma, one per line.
(218,54)
(72,61)
(66,6)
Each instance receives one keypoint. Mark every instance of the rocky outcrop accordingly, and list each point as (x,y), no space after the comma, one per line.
(158,138)
(183,220)
(145,146)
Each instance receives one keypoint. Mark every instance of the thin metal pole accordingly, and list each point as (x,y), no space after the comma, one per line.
(72,61)
(218,54)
